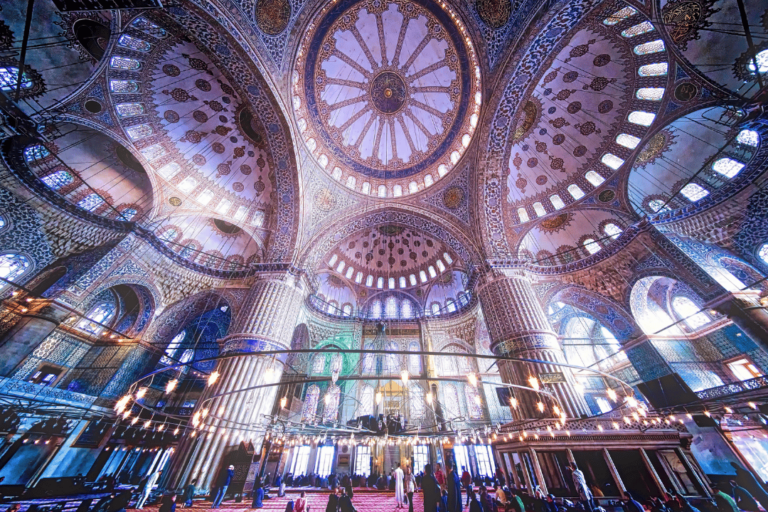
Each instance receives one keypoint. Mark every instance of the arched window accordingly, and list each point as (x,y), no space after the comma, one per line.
(170,350)
(376,309)
(522,214)
(763,253)
(440,266)
(432,272)
(414,360)
(9,75)
(474,403)
(694,192)
(451,402)
(90,202)
(393,360)
(590,245)
(435,308)
(656,205)
(331,409)
(187,251)
(100,314)
(762,62)
(368,361)
(447,258)
(347,310)
(406,309)
(401,282)
(575,191)
(58,179)
(728,167)
(686,309)
(365,408)
(450,305)
(310,403)
(12,266)
(612,230)
(556,201)
(539,209)
(748,137)
(423,276)
(333,308)
(337,362)
(35,152)
(416,397)
(380,283)
(594,178)
(412,279)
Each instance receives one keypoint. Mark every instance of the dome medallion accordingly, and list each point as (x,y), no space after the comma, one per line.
(386,93)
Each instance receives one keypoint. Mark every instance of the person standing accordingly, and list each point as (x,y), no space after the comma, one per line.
(410,487)
(345,503)
(454,490)
(224,479)
(397,475)
(743,498)
(151,480)
(580,483)
(430,490)
(189,494)
(333,502)
(439,476)
(466,481)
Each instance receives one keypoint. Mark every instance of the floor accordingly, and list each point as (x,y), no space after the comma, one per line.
(363,500)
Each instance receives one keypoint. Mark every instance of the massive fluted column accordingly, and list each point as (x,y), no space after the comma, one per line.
(518,327)
(265,322)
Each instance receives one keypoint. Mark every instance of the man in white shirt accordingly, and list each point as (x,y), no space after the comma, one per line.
(399,491)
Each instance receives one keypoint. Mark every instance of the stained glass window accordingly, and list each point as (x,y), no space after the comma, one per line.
(369,281)
(432,271)
(347,310)
(435,308)
(440,266)
(575,191)
(90,202)
(650,47)
(650,93)
(594,178)
(380,283)
(2,222)
(12,266)
(628,141)
(128,213)
(748,137)
(447,257)
(694,192)
(428,180)
(402,282)
(539,209)
(642,118)
(58,179)
(124,63)
(310,403)
(133,43)
(169,235)
(727,167)
(170,350)
(622,14)
(35,153)
(141,23)
(414,360)
(640,28)
(390,308)
(187,251)
(169,170)
(393,365)
(556,201)
(331,409)
(655,69)
(762,62)
(337,362)
(153,152)
(376,309)
(101,314)
(590,245)
(450,305)
(686,309)
(612,230)
(412,279)
(124,86)
(522,214)
(763,253)
(368,360)
(9,77)
(130,109)
(423,276)
(325,460)
(406,309)
(139,131)
(188,184)
(612,161)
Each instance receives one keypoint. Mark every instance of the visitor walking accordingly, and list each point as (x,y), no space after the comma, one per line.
(224,479)
(410,487)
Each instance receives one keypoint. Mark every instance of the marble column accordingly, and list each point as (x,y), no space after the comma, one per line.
(265,322)
(518,327)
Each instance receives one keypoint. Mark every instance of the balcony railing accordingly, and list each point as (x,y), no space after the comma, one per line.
(733,388)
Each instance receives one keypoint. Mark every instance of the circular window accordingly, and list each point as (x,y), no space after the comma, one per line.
(763,253)
(93,106)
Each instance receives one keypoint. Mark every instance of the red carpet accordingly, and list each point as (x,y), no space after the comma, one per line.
(363,500)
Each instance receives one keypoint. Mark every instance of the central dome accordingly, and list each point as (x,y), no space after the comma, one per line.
(387,91)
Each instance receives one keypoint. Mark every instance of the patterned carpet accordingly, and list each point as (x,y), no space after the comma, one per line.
(363,500)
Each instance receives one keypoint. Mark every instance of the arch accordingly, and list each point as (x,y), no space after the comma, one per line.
(174,317)
(13,266)
(92,37)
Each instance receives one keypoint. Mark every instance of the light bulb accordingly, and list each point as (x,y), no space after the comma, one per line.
(631,401)
(171,385)
(378,397)
(513,402)
(134,420)
(540,406)
(534,382)
(140,393)
(283,402)
(472,378)
(213,377)
(404,376)
(612,395)
(556,410)
(429,398)
(147,424)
